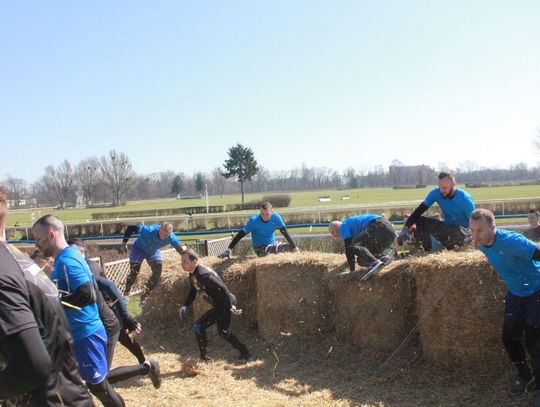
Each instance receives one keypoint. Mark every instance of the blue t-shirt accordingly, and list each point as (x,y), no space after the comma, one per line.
(70,272)
(456,210)
(263,233)
(148,241)
(352,227)
(511,256)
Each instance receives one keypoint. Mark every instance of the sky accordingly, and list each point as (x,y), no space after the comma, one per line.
(174,84)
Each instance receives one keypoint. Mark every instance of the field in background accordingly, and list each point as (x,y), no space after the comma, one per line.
(307,199)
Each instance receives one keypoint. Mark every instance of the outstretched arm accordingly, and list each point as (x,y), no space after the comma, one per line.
(286,235)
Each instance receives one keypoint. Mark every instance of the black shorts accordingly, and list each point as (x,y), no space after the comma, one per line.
(522,310)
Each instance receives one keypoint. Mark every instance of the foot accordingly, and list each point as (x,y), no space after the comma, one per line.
(372,269)
(154,374)
(522,386)
(247,357)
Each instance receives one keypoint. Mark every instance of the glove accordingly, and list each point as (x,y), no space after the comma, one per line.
(182,312)
(226,253)
(123,249)
(296,250)
(236,311)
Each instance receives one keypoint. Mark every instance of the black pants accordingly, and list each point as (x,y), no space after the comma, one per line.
(371,243)
(450,236)
(220,314)
(273,248)
(132,345)
(134,269)
(522,316)
(122,373)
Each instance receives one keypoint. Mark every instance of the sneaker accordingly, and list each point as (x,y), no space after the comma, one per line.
(536,399)
(372,268)
(522,386)
(155,374)
(248,357)
(388,258)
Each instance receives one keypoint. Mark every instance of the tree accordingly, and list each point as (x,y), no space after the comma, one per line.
(88,176)
(177,186)
(240,164)
(118,174)
(199,183)
(61,181)
(16,189)
(218,181)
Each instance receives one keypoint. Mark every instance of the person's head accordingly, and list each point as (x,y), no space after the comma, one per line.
(266,211)
(3,212)
(483,228)
(165,230)
(79,244)
(333,228)
(533,218)
(447,184)
(190,260)
(49,234)
(45,263)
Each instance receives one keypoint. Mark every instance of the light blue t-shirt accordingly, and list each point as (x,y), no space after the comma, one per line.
(263,233)
(511,256)
(148,241)
(352,227)
(456,210)
(70,272)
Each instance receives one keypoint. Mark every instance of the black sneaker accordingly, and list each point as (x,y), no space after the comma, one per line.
(372,268)
(522,386)
(154,373)
(247,357)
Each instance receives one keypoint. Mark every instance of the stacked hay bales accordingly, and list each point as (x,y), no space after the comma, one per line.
(293,297)
(460,302)
(378,313)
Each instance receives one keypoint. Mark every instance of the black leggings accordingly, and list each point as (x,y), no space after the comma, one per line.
(106,394)
(122,373)
(450,236)
(371,243)
(134,268)
(132,345)
(512,338)
(220,315)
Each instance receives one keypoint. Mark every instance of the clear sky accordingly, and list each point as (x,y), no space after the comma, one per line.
(327,83)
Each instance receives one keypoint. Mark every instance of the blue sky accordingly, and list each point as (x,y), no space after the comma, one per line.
(327,83)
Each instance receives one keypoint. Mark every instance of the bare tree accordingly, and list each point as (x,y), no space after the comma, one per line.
(16,189)
(218,181)
(118,174)
(88,177)
(61,181)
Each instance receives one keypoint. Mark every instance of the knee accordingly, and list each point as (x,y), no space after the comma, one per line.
(156,266)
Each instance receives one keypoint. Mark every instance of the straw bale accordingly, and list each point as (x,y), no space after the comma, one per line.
(378,313)
(460,302)
(293,297)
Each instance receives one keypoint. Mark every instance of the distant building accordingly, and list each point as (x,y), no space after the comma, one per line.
(411,175)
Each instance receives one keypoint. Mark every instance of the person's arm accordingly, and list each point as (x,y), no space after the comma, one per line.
(411,220)
(239,236)
(536,255)
(191,296)
(349,253)
(84,295)
(28,364)
(131,229)
(286,235)
(113,293)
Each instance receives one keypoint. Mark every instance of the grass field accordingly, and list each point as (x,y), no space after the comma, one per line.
(306,199)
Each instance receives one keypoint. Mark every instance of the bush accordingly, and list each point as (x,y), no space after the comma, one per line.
(279,200)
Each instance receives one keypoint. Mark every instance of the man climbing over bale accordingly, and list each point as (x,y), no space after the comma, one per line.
(517,261)
(206,281)
(453,230)
(151,239)
(368,240)
(262,228)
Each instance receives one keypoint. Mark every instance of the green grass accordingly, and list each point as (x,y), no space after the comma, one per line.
(307,199)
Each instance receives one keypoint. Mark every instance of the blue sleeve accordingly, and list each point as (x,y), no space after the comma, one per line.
(140,229)
(174,240)
(250,225)
(278,221)
(523,247)
(71,275)
(468,204)
(431,198)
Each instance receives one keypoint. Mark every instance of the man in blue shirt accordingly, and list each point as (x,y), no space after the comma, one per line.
(262,228)
(366,237)
(75,282)
(456,206)
(151,239)
(517,261)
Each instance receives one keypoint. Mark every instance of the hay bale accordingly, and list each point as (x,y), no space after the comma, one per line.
(293,297)
(460,303)
(378,313)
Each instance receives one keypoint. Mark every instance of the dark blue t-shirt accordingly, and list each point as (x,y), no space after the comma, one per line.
(511,256)
(456,210)
(70,272)
(148,241)
(263,233)
(352,227)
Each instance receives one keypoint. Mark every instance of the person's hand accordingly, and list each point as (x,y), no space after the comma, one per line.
(411,229)
(226,253)
(138,328)
(123,249)
(236,311)
(182,312)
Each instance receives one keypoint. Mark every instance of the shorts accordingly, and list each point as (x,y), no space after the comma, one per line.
(137,256)
(91,354)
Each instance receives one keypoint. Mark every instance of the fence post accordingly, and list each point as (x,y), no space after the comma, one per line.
(503,208)
(27,237)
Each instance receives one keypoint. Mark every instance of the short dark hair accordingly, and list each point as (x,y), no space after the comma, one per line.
(266,205)
(443,175)
(192,254)
(50,221)
(76,241)
(483,214)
